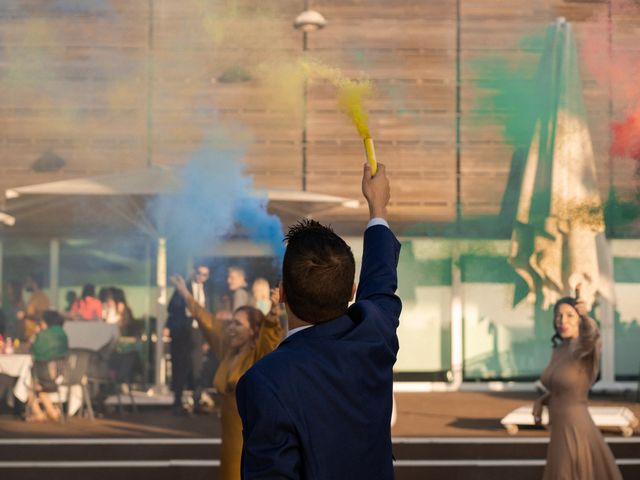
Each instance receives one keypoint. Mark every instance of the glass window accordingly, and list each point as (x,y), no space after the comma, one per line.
(114,262)
(22,257)
(501,341)
(424,271)
(626,264)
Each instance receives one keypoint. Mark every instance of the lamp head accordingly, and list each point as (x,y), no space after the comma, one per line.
(309,21)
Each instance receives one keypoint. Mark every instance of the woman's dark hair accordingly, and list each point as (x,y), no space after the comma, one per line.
(89,290)
(317,272)
(52,318)
(118,295)
(255,316)
(70,297)
(14,292)
(557,339)
(588,339)
(105,293)
(36,278)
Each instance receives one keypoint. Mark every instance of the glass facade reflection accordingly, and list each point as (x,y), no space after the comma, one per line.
(500,340)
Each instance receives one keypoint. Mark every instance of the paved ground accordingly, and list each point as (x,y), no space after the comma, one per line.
(463,414)
(440,436)
(468,414)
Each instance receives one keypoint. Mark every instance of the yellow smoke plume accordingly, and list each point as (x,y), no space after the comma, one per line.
(351,93)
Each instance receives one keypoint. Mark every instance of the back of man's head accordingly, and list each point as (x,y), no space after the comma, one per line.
(52,318)
(317,273)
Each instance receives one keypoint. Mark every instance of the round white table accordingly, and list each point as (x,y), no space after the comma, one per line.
(18,365)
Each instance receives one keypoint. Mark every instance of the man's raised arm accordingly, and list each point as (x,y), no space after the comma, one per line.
(378,275)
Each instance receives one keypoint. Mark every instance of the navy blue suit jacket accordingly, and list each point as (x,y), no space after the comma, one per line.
(178,322)
(319,406)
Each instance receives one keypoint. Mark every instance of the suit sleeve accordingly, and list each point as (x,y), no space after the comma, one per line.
(270,443)
(379,272)
(176,311)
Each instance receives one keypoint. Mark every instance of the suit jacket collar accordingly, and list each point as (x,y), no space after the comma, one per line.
(327,329)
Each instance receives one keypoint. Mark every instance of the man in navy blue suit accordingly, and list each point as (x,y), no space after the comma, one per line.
(319,406)
(187,340)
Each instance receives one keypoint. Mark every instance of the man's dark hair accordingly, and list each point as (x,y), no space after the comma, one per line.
(199,262)
(89,290)
(236,268)
(52,318)
(317,272)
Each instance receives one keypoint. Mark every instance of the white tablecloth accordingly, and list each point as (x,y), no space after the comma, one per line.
(19,367)
(90,335)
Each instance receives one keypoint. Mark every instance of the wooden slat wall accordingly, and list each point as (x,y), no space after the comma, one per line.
(57,89)
(626,49)
(76,82)
(407,49)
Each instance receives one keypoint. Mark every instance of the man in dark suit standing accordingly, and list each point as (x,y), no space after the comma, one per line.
(319,406)
(187,340)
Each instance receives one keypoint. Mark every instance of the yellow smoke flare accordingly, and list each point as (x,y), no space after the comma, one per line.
(371,155)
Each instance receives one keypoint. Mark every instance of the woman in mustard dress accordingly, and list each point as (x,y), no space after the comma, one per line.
(247,338)
(577,450)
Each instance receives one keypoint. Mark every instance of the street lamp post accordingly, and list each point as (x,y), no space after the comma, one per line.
(308,21)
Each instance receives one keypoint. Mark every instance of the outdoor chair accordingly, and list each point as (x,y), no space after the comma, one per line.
(74,373)
(123,367)
(55,368)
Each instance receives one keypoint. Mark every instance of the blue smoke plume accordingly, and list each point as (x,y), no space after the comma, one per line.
(215,198)
(261,227)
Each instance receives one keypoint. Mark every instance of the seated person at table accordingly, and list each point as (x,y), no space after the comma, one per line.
(48,351)
(87,307)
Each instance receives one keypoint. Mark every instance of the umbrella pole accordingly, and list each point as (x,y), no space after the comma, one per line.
(457,321)
(160,372)
(606,314)
(54,272)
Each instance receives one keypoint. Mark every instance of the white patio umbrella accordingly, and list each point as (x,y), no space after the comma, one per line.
(558,240)
(7,219)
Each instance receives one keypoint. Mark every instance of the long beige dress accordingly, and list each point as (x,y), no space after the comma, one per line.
(233,364)
(577,450)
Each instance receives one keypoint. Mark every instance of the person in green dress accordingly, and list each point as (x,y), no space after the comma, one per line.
(48,350)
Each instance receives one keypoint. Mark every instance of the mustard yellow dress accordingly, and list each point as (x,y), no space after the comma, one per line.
(233,364)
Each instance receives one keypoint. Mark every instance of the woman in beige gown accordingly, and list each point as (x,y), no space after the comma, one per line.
(248,337)
(577,450)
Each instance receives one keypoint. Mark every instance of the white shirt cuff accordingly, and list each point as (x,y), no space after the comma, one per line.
(377,221)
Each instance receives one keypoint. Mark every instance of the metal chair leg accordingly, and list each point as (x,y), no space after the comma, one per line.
(60,405)
(119,395)
(87,402)
(134,408)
